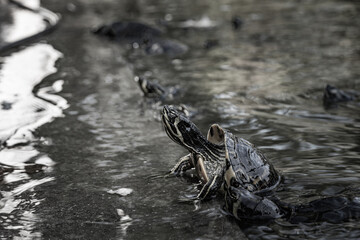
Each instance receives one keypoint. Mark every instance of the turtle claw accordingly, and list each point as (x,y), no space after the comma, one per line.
(182,165)
(170,174)
(197,204)
(189,199)
(173,172)
(156,176)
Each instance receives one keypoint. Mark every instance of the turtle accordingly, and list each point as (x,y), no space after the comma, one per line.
(142,35)
(246,205)
(130,31)
(209,155)
(157,93)
(333,96)
(151,89)
(170,47)
(206,154)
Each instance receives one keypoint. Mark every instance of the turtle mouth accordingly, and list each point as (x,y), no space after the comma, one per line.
(170,119)
(182,131)
(143,84)
(169,114)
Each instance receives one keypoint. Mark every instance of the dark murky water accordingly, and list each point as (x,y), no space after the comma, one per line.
(263,82)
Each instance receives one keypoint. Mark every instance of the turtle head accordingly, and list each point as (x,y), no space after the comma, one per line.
(181,130)
(143,84)
(150,89)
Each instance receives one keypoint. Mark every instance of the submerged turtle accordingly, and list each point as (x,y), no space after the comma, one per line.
(158,93)
(142,35)
(129,31)
(243,204)
(151,89)
(333,96)
(208,156)
(249,179)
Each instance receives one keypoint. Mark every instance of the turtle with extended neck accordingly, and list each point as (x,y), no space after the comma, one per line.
(208,156)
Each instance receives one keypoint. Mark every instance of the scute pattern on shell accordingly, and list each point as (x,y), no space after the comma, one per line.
(251,168)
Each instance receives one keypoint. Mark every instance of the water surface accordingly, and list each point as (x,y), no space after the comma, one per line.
(263,82)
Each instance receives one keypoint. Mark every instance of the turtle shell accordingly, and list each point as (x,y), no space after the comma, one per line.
(247,167)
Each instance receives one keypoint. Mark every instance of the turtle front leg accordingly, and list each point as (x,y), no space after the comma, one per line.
(210,188)
(212,184)
(185,163)
(207,191)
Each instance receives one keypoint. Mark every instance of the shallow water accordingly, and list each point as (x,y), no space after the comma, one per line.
(263,82)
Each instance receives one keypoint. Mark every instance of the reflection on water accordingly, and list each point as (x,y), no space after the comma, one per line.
(25,111)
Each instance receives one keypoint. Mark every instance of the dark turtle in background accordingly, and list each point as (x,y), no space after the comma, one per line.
(151,89)
(333,96)
(150,38)
(159,94)
(236,22)
(172,48)
(130,31)
(211,43)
